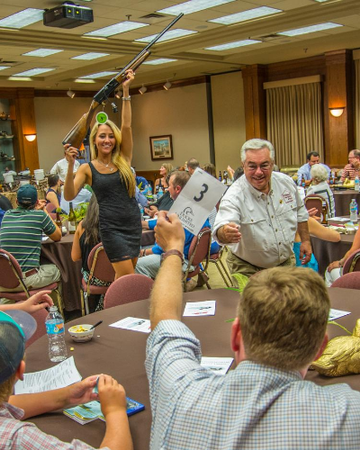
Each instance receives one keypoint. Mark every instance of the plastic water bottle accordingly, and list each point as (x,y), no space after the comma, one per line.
(357,185)
(160,192)
(332,178)
(353,210)
(56,333)
(141,211)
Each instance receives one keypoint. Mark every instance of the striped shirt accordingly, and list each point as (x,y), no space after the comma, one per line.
(252,407)
(17,435)
(349,172)
(21,233)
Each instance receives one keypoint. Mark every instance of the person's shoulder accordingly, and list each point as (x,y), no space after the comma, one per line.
(304,166)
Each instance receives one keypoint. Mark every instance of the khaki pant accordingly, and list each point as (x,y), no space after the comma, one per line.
(45,275)
(238,265)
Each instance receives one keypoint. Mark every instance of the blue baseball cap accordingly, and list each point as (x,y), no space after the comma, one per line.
(16,327)
(27,194)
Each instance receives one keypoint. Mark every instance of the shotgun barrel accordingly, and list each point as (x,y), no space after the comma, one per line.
(77,134)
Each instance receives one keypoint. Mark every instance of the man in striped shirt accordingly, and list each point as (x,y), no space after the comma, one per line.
(352,169)
(21,234)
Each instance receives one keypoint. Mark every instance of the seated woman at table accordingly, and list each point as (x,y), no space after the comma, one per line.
(162,183)
(86,237)
(319,231)
(334,269)
(320,186)
(53,194)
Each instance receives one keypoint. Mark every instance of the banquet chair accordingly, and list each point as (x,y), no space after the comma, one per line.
(101,268)
(349,281)
(318,202)
(352,263)
(127,289)
(199,252)
(12,277)
(215,258)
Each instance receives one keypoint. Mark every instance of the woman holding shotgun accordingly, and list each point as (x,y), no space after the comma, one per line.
(110,176)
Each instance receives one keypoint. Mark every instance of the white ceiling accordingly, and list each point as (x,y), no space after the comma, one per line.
(192,59)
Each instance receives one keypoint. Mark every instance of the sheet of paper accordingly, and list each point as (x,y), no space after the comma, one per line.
(218,365)
(133,324)
(61,375)
(337,313)
(195,309)
(197,199)
(339,219)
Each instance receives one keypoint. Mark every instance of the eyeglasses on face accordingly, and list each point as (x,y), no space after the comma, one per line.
(263,167)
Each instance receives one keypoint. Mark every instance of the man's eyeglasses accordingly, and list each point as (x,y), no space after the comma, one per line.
(263,167)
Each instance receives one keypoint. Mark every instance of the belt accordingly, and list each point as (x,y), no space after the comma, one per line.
(31,272)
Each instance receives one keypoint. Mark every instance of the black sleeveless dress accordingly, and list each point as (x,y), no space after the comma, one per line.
(119,216)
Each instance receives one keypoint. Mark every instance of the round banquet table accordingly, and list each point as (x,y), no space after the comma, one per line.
(342,200)
(121,353)
(326,252)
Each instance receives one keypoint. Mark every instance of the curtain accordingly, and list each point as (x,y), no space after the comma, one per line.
(294,122)
(357,103)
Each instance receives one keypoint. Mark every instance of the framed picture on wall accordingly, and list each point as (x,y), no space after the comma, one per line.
(161,147)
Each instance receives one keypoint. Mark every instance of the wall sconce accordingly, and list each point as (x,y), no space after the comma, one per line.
(30,137)
(167,85)
(70,93)
(337,112)
(142,90)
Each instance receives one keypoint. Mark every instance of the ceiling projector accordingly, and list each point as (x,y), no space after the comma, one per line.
(68,15)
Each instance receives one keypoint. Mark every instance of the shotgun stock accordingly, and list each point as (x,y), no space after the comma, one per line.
(77,134)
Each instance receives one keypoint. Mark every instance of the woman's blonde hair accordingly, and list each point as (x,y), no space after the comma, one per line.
(168,167)
(117,159)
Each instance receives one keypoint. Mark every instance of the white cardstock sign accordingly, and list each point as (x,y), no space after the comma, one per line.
(197,199)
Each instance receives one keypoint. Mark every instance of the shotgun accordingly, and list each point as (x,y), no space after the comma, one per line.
(77,134)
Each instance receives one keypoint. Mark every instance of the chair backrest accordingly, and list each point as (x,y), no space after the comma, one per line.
(199,251)
(349,281)
(127,289)
(352,263)
(99,265)
(318,202)
(10,272)
(40,317)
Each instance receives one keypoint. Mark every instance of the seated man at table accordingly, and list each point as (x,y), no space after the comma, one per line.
(352,169)
(264,403)
(164,203)
(304,171)
(16,328)
(21,235)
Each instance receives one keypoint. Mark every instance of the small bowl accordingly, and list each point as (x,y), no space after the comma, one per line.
(81,333)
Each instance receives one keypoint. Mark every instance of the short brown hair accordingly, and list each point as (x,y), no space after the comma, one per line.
(180,178)
(283,316)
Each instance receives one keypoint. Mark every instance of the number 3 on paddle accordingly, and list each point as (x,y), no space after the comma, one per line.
(201,195)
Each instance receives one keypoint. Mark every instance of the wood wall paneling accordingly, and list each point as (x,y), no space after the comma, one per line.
(255,100)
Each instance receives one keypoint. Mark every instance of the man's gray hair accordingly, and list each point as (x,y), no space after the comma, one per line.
(319,173)
(256,144)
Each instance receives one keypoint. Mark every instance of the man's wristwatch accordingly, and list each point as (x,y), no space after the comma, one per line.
(173,252)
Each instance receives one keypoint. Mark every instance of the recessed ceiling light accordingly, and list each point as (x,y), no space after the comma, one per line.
(255,13)
(4,67)
(84,80)
(172,34)
(90,56)
(19,79)
(230,45)
(22,18)
(156,62)
(192,6)
(33,72)
(100,75)
(310,29)
(117,28)
(42,52)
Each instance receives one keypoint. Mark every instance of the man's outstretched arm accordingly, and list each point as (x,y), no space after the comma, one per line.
(167,293)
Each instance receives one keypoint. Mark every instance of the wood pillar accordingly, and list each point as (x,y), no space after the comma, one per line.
(338,88)
(24,111)
(255,101)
